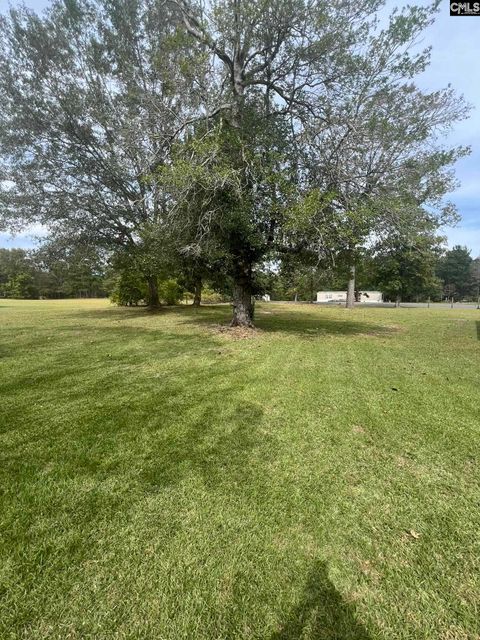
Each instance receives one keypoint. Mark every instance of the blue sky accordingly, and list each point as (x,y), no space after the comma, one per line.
(455,54)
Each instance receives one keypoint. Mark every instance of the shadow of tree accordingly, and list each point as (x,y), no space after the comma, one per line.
(322,613)
(313,324)
(121,313)
(220,452)
(478,329)
(112,312)
(294,322)
(119,400)
(288,320)
(52,369)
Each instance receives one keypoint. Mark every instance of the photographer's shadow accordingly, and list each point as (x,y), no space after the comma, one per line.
(322,613)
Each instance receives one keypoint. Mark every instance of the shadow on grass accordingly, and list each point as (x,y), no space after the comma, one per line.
(79,351)
(223,450)
(313,325)
(478,329)
(291,321)
(154,403)
(322,613)
(113,312)
(286,320)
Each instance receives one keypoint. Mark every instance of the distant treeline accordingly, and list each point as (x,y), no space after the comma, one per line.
(59,272)
(402,271)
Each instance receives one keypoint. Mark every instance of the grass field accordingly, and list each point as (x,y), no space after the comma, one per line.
(163,479)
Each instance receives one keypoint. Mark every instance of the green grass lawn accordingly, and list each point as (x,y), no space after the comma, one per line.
(163,479)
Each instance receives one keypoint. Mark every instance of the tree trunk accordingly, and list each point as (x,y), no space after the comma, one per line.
(397,301)
(197,298)
(243,304)
(153,297)
(351,289)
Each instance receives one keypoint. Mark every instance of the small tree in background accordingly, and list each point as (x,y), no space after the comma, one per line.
(455,270)
(405,267)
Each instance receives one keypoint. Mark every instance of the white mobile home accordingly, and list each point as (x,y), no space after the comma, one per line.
(341,296)
(331,296)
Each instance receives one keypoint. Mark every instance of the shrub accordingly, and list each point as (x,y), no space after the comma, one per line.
(129,290)
(209,296)
(170,291)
